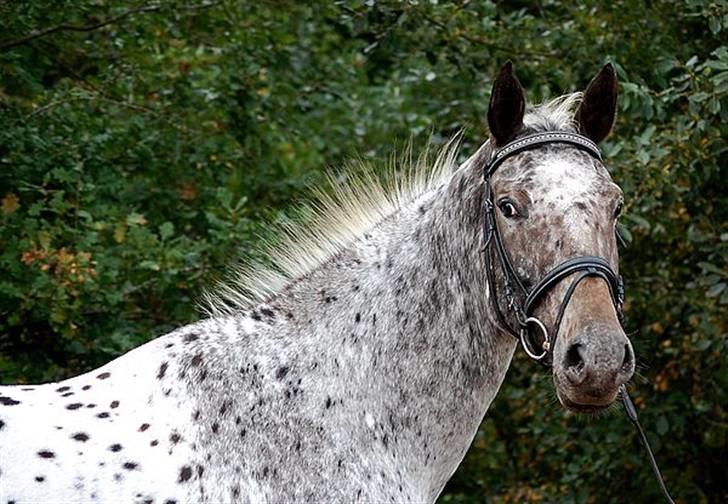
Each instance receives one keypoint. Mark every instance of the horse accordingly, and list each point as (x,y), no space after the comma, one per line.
(358,365)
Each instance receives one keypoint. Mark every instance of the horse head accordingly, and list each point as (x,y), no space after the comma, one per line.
(552,241)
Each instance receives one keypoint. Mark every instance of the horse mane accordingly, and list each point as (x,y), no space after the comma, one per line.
(357,200)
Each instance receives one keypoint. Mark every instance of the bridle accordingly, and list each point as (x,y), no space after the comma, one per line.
(521,301)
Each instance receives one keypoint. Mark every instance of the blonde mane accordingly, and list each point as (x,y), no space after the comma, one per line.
(357,200)
(555,114)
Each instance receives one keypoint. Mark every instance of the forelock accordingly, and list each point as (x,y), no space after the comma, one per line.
(554,115)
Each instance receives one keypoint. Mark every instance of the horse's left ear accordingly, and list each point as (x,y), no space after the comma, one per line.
(597,111)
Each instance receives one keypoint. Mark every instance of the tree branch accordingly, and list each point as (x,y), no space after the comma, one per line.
(36,34)
(483,42)
(100,97)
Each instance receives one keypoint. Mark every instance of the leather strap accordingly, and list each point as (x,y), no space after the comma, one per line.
(536,140)
(596,266)
(631,412)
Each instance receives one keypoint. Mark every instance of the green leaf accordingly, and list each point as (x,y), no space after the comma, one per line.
(715,290)
(624,232)
(166,230)
(702,345)
(639,221)
(714,24)
(711,268)
(150,265)
(662,426)
(135,219)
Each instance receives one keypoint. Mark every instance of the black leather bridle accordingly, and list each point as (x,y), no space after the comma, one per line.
(523,303)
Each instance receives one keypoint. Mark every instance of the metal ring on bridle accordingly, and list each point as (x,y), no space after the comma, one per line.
(546,343)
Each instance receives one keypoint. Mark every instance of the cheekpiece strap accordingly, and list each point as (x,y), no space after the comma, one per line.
(537,139)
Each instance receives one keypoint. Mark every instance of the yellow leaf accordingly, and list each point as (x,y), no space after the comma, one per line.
(44,237)
(10,203)
(120,232)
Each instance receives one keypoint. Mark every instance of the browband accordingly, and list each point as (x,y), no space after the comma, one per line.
(536,140)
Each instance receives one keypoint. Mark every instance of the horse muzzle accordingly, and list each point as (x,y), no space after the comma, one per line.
(590,368)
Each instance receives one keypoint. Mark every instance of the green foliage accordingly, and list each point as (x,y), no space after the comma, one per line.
(139,155)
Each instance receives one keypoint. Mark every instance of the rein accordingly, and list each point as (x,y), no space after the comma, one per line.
(521,301)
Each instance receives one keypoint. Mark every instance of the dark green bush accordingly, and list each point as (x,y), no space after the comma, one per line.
(142,150)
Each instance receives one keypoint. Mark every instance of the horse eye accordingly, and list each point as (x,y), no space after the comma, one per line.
(618,209)
(507,208)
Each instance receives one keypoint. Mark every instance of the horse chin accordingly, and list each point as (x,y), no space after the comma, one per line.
(590,408)
(589,405)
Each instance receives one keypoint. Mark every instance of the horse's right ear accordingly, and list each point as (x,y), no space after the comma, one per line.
(507,106)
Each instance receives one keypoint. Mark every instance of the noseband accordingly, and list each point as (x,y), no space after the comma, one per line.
(521,301)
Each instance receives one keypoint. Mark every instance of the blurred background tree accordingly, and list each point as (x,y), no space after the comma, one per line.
(144,147)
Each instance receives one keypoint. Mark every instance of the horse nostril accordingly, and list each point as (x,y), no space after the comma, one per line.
(574,364)
(573,356)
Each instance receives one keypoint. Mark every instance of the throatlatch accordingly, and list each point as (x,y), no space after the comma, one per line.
(523,303)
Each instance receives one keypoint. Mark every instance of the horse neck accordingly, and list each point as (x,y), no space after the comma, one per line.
(401,319)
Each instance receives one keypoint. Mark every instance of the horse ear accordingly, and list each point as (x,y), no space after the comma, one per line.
(507,106)
(598,109)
